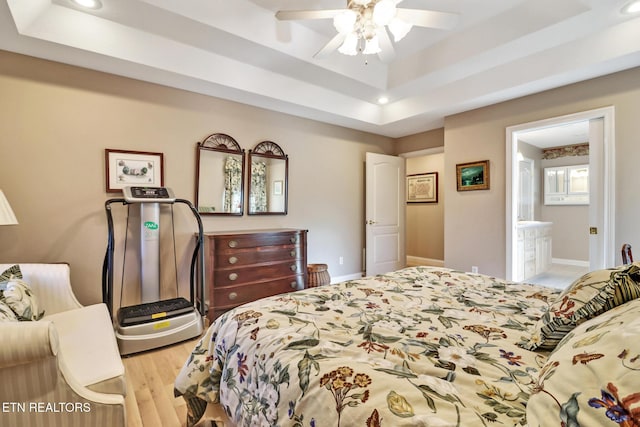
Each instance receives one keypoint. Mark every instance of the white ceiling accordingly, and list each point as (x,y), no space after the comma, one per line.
(557,136)
(237,50)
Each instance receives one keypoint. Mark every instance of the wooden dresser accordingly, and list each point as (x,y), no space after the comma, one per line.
(243,266)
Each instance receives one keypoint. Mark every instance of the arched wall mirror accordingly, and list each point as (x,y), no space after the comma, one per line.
(220,176)
(268,180)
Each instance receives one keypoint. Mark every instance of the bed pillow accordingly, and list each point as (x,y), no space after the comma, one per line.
(18,296)
(592,294)
(593,376)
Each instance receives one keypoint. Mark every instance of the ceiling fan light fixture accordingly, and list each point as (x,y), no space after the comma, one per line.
(372,46)
(89,4)
(383,12)
(345,22)
(631,7)
(399,28)
(350,45)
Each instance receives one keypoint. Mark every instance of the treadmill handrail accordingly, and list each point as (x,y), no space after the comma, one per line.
(107,265)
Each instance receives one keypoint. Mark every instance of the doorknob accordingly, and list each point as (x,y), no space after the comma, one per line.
(371,222)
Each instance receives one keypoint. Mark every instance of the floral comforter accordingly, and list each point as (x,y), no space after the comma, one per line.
(422,346)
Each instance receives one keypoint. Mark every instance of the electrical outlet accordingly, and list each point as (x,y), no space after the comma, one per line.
(341,260)
(474,268)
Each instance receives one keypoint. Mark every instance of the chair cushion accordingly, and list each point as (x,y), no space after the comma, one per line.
(89,348)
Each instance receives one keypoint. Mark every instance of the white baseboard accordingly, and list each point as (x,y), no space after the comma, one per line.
(414,260)
(574,262)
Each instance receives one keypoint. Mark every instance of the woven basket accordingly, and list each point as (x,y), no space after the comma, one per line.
(318,275)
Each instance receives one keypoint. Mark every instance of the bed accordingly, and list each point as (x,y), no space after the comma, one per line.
(425,346)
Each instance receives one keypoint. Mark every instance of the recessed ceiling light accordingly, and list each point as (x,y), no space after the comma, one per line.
(89,4)
(632,7)
(383,100)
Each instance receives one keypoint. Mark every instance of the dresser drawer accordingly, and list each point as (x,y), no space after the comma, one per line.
(240,241)
(249,256)
(231,296)
(239,275)
(247,265)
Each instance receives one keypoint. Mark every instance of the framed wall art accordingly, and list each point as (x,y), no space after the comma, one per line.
(473,176)
(124,168)
(422,188)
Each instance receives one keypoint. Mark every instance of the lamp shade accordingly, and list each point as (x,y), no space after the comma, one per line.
(350,45)
(372,46)
(345,22)
(7,217)
(383,12)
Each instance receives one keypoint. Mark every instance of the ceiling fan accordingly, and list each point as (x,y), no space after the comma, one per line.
(362,26)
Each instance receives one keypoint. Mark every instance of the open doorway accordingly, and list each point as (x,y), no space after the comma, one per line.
(560,197)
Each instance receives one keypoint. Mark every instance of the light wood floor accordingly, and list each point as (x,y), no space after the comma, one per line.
(150,377)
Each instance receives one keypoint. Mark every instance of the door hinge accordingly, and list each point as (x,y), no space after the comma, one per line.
(593,230)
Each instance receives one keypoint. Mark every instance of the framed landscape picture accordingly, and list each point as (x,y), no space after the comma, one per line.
(422,188)
(473,176)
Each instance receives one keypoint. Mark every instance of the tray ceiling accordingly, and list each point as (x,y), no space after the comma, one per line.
(238,50)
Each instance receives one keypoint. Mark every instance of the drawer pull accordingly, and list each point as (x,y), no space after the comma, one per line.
(294,239)
(233,260)
(233,296)
(293,254)
(233,276)
(294,285)
(294,267)
(233,243)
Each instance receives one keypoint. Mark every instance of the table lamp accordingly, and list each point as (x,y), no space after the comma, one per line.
(7,217)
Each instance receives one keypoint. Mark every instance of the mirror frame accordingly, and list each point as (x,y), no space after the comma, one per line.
(222,143)
(269,150)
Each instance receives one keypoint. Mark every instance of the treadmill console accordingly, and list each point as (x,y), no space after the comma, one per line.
(148,195)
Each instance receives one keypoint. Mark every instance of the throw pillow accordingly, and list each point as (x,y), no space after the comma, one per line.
(592,294)
(18,296)
(12,272)
(6,314)
(593,376)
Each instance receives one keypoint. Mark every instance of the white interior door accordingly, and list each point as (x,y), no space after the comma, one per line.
(385,213)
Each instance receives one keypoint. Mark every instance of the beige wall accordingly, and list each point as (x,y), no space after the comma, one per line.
(420,141)
(475,220)
(57,121)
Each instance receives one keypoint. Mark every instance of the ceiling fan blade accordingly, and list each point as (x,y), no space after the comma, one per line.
(428,18)
(387,52)
(289,15)
(333,44)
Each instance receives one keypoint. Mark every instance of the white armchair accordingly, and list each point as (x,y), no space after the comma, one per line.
(64,369)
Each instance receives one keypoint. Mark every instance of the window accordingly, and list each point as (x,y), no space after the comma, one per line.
(566,185)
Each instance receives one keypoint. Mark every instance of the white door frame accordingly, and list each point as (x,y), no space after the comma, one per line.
(608,178)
